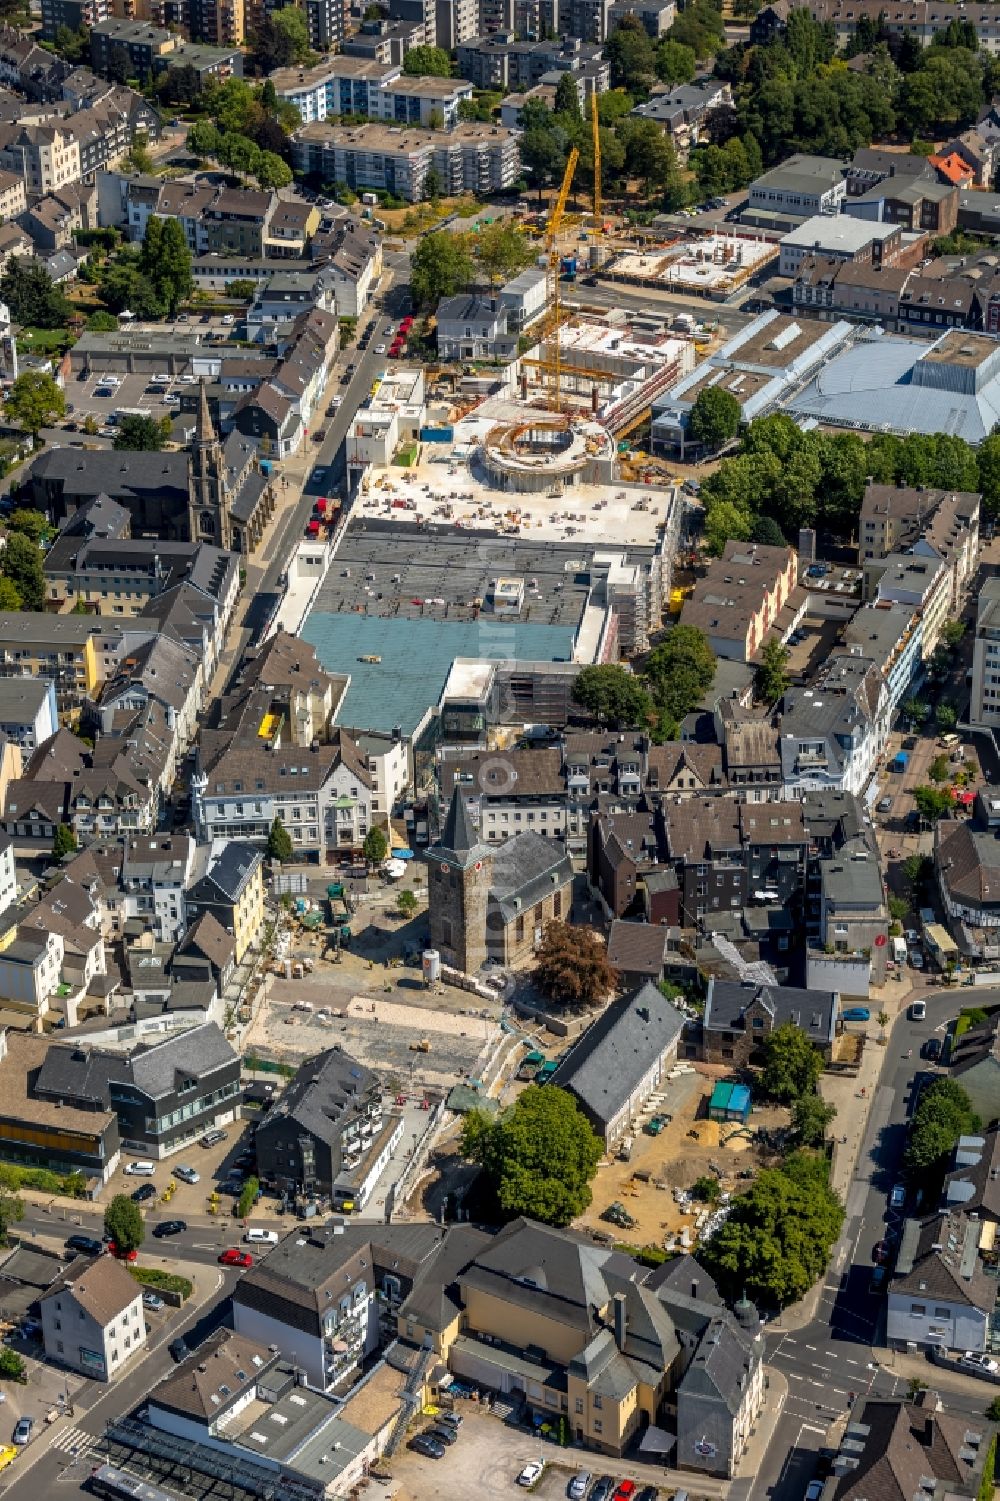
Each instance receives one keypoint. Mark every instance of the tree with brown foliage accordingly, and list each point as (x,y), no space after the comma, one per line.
(572,966)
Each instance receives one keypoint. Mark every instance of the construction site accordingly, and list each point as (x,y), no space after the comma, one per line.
(713,266)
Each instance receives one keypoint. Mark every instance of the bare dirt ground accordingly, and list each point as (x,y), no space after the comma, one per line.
(685,1150)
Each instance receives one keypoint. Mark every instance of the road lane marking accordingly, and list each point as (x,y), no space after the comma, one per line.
(810,1347)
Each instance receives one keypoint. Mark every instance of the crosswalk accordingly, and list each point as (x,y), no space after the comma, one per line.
(74,1441)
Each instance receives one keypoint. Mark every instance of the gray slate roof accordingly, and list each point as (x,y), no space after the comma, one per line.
(605,1065)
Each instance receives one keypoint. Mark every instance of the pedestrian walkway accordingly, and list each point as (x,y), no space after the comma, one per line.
(74,1441)
(774,1405)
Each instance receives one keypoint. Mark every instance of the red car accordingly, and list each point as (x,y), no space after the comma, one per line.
(122,1255)
(625,1491)
(233,1257)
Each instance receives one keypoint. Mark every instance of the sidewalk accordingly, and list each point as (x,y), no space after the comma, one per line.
(767,1425)
(908,1368)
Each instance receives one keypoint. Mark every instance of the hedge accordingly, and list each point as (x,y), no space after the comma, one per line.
(13,1177)
(166,1282)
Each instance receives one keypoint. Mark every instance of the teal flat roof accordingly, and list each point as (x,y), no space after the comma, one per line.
(416,659)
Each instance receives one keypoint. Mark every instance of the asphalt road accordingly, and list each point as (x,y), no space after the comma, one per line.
(831,1360)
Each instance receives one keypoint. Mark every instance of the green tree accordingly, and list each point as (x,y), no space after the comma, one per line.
(21,563)
(613,695)
(165,261)
(11,1210)
(679,671)
(933,802)
(63,841)
(538,1156)
(715,417)
(433,61)
(943,1114)
(810,1117)
(567,101)
(772,674)
(767,531)
(12,1367)
(376,845)
(572,966)
(916,870)
(203,138)
(707,1189)
(272,171)
(726,522)
(432,185)
(279,842)
(792,1064)
(675,63)
(543,153)
(899,908)
(33,298)
(249,1194)
(993,1411)
(30,523)
(287,37)
(101,322)
(139,157)
(630,53)
(952,633)
(406,903)
(914,709)
(139,434)
(34,401)
(441,266)
(939,769)
(123,1224)
(945,717)
(777,1239)
(9,597)
(502,250)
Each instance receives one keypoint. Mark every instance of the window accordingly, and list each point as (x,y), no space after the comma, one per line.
(918,1310)
(598,1426)
(598,1401)
(579,1404)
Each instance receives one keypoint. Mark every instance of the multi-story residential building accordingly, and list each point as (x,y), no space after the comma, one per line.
(38,1133)
(75,15)
(472,158)
(220,23)
(941,1296)
(922,20)
(984,704)
(919,580)
(431,102)
(657,16)
(45,157)
(500,61)
(457,20)
(145,47)
(93,1320)
(833,733)
(57,648)
(740,598)
(237,222)
(165,1094)
(738,1018)
(472,327)
(154,877)
(340,85)
(509,792)
(13,195)
(28,713)
(227,881)
(853,912)
(891,637)
(705,844)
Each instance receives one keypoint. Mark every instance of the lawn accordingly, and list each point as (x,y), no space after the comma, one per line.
(42,340)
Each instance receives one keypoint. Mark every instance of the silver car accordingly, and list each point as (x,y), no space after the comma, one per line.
(579,1486)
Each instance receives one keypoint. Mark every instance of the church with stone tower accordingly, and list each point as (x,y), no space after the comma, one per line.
(231,501)
(492,901)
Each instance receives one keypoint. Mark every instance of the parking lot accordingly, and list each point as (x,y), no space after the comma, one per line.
(105,398)
(211,1163)
(495,1453)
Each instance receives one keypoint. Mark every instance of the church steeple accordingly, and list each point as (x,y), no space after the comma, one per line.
(205,430)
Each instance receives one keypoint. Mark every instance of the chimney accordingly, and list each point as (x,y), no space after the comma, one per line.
(621,1320)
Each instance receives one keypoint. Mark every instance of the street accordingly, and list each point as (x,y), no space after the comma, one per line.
(838,1354)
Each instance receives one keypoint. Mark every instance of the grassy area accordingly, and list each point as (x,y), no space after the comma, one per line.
(164,1282)
(12,1177)
(43,340)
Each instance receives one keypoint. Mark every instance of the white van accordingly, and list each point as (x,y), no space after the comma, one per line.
(141,1169)
(262,1237)
(899,950)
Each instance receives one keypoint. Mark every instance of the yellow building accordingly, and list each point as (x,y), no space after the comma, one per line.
(230,885)
(61,648)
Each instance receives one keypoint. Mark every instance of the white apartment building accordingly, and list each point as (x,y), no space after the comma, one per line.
(45,157)
(92,1318)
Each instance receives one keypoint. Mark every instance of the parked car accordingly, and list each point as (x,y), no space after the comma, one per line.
(884,805)
(979,1363)
(450,1419)
(169,1227)
(153,1301)
(187,1175)
(444,1434)
(879,1274)
(140,1170)
(532,1472)
(856,1014)
(22,1430)
(235,1257)
(210,1138)
(603,1488)
(881,1252)
(423,1443)
(85,1245)
(178,1350)
(146,1191)
(626,1490)
(898,1196)
(813,1490)
(648,1493)
(122,1255)
(579,1486)
(932,1049)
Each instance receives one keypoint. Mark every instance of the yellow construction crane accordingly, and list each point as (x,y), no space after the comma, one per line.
(552,247)
(595,129)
